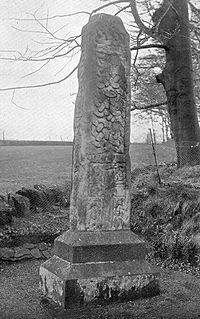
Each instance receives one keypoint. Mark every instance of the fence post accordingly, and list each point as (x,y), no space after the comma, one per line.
(155,158)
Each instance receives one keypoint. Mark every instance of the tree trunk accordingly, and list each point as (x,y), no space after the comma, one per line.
(177,79)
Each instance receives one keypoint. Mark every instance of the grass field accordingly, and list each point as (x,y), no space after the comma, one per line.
(28,165)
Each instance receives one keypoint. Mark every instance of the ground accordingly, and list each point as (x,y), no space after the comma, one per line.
(21,299)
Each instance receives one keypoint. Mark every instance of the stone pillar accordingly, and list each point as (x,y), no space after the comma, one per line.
(99,258)
(101,164)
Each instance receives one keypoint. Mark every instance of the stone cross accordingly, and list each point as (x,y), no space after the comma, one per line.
(99,258)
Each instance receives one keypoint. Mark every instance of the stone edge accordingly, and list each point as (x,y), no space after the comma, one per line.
(40,250)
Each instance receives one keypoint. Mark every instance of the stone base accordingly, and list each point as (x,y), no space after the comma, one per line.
(82,276)
(71,285)
(99,246)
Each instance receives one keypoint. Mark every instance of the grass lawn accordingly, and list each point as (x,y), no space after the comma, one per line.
(51,164)
(29,165)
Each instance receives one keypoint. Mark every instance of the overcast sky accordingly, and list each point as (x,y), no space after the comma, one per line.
(42,113)
(48,111)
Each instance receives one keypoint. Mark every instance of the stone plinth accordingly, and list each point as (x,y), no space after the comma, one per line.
(101,246)
(93,267)
(71,285)
(99,258)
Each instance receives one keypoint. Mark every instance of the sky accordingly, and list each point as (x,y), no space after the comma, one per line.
(41,113)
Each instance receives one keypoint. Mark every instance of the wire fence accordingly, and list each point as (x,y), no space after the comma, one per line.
(165,158)
(144,155)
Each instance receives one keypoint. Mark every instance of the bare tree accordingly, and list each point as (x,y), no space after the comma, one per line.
(171,28)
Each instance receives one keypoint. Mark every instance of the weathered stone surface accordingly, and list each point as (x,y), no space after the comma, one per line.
(27,250)
(46,253)
(43,246)
(100,198)
(6,213)
(195,241)
(61,195)
(37,198)
(21,252)
(70,284)
(49,194)
(35,252)
(2,198)
(54,194)
(20,204)
(29,245)
(6,253)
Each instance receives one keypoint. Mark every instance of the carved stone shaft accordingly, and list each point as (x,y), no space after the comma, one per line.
(100,197)
(100,258)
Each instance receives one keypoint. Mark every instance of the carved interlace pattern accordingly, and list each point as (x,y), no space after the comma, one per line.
(108,124)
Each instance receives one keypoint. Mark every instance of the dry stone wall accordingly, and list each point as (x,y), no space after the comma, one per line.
(27,201)
(26,251)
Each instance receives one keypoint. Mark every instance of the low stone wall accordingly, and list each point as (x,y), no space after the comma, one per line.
(23,204)
(28,201)
(26,251)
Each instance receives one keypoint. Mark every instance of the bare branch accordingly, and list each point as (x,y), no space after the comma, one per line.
(107,5)
(45,42)
(61,69)
(10,51)
(47,30)
(48,50)
(31,31)
(194,8)
(29,59)
(39,85)
(149,46)
(47,21)
(58,48)
(37,70)
(154,31)
(138,20)
(13,102)
(122,9)
(52,17)
(61,28)
(150,106)
(135,58)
